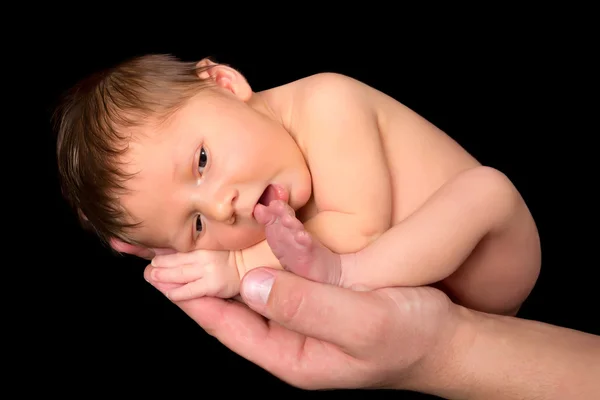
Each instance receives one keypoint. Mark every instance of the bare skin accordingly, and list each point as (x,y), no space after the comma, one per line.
(390,198)
(295,248)
(395,338)
(298,250)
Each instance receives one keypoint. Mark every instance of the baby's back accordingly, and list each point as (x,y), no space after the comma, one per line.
(382,163)
(421,157)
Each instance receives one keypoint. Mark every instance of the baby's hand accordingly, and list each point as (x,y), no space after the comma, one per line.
(199,273)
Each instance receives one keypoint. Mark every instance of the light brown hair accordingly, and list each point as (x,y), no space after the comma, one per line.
(94,124)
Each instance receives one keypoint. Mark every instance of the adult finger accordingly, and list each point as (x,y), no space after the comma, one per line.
(336,315)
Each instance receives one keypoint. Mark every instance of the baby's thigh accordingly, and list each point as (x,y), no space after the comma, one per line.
(497,277)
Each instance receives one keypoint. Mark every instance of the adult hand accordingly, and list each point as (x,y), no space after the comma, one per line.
(320,336)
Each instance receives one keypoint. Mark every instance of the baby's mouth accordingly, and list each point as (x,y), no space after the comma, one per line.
(271,193)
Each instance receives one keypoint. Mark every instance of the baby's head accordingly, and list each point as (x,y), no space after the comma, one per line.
(161,153)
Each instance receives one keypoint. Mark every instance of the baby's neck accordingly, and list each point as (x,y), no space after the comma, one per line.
(275,104)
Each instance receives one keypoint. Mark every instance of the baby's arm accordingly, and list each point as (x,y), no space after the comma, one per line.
(256,256)
(437,239)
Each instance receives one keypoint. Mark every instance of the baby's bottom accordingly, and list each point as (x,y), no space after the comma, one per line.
(473,285)
(499,274)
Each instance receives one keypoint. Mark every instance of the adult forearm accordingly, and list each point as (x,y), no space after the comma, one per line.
(497,357)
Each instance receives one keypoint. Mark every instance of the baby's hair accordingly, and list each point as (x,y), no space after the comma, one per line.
(94,124)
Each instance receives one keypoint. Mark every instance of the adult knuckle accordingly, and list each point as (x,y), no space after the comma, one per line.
(288,307)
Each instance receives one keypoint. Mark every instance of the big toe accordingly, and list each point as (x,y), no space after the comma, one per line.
(281,208)
(263,215)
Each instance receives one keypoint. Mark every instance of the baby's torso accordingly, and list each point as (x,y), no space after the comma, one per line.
(420,158)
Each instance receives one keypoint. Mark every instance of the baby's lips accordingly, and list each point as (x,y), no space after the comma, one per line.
(272,192)
(280,193)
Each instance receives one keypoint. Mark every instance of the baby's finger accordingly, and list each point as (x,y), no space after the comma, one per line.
(162,287)
(181,274)
(174,260)
(189,291)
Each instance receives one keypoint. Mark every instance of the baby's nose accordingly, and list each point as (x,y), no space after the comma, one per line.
(223,208)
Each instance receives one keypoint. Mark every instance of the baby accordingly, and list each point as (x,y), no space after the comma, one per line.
(325,174)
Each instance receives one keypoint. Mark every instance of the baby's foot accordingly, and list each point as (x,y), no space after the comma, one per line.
(295,248)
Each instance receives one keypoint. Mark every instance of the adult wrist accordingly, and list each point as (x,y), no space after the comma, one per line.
(500,357)
(444,370)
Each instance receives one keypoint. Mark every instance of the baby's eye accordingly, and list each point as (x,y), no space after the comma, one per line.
(202,160)
(198,224)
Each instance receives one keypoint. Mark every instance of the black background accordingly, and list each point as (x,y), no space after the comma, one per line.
(94,325)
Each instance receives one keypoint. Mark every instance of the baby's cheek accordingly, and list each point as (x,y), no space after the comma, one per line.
(242,237)
(162,251)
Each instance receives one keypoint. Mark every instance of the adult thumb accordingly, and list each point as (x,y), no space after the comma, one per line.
(314,309)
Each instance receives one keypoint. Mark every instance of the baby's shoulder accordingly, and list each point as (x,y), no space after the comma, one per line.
(327,97)
(327,86)
(330,108)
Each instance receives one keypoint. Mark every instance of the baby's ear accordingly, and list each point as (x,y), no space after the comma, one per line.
(139,251)
(204,66)
(225,77)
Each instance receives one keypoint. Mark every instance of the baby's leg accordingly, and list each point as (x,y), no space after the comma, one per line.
(474,237)
(501,271)
(297,250)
